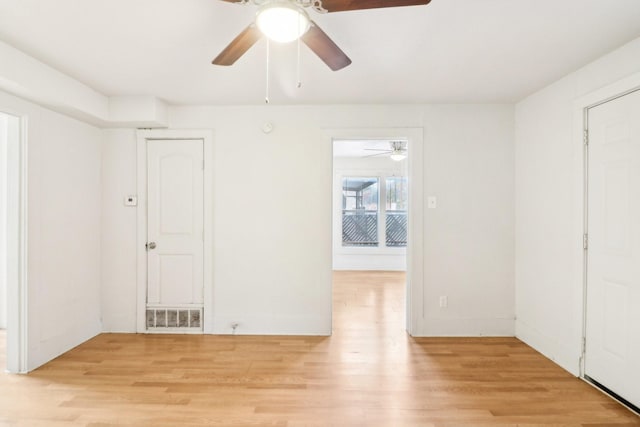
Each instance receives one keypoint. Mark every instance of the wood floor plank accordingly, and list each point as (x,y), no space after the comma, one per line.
(368,373)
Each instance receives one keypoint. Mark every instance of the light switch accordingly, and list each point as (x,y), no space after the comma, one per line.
(131,201)
(432,202)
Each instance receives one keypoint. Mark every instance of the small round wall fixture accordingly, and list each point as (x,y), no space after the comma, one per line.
(267,127)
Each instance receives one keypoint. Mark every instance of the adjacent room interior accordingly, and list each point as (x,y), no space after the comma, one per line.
(401,213)
(370,222)
(371,196)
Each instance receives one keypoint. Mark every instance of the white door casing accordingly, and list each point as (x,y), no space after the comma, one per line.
(16,209)
(182,226)
(612,351)
(3,218)
(415,226)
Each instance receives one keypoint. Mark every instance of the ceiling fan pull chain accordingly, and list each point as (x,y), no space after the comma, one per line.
(266,96)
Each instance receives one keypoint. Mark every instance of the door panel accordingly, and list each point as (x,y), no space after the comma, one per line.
(612,354)
(175,223)
(175,272)
(615,329)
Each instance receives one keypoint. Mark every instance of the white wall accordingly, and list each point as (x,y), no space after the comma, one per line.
(272,270)
(549,208)
(63,217)
(118,291)
(371,258)
(469,238)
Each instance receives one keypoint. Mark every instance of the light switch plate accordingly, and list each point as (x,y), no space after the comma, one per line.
(432,202)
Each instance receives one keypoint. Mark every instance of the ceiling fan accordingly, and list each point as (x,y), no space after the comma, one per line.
(397,152)
(286,21)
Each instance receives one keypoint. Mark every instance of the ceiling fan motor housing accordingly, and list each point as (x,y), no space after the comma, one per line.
(282,20)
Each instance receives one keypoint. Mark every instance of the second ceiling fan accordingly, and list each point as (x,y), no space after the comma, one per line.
(287,20)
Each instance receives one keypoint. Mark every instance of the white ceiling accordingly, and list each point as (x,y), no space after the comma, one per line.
(450,51)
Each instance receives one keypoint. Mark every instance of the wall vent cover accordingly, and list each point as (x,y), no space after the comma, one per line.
(174,319)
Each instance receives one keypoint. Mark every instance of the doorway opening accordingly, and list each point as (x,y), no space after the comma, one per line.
(370,196)
(12,295)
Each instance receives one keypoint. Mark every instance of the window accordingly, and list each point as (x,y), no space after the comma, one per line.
(360,211)
(361,217)
(396,211)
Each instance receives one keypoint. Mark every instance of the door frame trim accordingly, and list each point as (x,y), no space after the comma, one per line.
(415,243)
(143,136)
(581,107)
(17,294)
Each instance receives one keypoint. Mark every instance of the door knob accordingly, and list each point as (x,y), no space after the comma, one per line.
(150,245)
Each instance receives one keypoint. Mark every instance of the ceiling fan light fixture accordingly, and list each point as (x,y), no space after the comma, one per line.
(398,156)
(282,22)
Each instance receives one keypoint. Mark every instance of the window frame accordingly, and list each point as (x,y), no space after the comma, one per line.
(378,210)
(386,210)
(382,248)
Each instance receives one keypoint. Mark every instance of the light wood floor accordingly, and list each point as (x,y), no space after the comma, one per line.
(369,373)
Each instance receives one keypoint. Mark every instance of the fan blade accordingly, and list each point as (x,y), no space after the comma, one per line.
(377,149)
(238,46)
(320,43)
(345,5)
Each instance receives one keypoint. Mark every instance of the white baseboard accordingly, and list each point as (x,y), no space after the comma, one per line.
(471,327)
(247,325)
(272,325)
(119,324)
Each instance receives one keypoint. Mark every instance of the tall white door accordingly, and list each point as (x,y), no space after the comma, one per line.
(612,355)
(175,234)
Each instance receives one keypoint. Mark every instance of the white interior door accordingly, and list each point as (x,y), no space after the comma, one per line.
(612,353)
(175,234)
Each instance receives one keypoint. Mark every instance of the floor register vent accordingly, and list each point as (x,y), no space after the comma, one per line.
(174,319)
